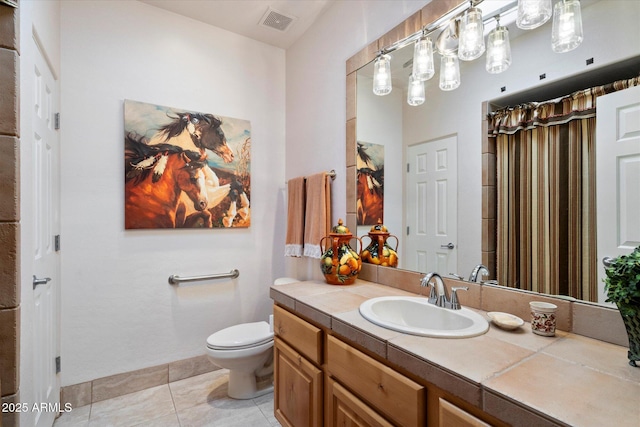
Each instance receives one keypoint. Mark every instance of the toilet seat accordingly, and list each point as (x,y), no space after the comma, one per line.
(237,337)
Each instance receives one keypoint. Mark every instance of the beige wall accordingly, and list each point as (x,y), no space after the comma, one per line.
(9,209)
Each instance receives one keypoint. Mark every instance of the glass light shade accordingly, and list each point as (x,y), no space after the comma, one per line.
(498,50)
(471,44)
(415,91)
(566,34)
(423,59)
(533,13)
(382,75)
(449,72)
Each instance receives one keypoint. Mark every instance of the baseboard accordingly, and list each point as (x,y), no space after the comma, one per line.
(120,384)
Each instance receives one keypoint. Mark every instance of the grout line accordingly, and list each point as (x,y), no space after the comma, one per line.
(173,401)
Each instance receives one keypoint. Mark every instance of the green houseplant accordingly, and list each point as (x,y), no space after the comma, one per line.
(622,284)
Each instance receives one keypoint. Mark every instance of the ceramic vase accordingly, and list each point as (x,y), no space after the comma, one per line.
(379,252)
(340,264)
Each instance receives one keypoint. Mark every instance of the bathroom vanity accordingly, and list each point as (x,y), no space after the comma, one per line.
(332,367)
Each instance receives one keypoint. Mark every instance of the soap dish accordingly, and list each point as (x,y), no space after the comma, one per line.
(505,320)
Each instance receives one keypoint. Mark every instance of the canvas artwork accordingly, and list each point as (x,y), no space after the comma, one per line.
(370,184)
(185,169)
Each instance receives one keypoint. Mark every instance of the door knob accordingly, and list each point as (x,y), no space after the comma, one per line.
(37,281)
(448,246)
(607,261)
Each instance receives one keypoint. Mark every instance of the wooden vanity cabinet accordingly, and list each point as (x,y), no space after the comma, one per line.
(298,391)
(320,380)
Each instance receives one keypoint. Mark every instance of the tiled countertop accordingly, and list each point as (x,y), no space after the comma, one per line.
(563,380)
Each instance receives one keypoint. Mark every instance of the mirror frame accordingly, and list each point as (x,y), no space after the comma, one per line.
(425,16)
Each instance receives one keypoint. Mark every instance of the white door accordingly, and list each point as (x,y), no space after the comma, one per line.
(617,176)
(44,168)
(432,181)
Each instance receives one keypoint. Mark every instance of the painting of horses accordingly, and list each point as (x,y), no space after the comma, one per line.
(185,169)
(370,183)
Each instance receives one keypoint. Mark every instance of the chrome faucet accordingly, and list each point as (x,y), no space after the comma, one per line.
(438,293)
(479,272)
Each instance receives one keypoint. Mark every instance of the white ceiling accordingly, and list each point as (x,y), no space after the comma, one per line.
(244,16)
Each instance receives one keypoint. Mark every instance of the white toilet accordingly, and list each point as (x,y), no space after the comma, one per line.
(246,350)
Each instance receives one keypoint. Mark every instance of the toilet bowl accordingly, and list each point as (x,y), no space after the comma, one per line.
(244,350)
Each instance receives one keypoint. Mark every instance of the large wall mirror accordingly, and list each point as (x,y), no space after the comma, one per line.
(450,225)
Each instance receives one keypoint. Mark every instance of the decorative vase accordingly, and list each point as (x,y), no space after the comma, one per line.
(632,325)
(340,263)
(379,252)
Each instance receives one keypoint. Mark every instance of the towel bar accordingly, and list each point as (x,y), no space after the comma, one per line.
(332,173)
(175,280)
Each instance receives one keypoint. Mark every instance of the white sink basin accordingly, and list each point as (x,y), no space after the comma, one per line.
(414,315)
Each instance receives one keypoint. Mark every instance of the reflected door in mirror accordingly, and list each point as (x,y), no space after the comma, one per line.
(618,176)
(432,206)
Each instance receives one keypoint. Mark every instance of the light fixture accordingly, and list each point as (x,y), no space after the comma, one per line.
(447,42)
(423,59)
(533,13)
(471,35)
(566,34)
(462,37)
(382,75)
(449,72)
(498,49)
(415,91)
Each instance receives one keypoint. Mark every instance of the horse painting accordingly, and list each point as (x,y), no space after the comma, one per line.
(370,184)
(195,130)
(220,146)
(155,177)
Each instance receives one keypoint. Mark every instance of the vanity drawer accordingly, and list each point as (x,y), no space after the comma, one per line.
(343,408)
(451,415)
(301,335)
(397,397)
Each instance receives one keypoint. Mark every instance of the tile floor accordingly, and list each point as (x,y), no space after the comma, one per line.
(199,401)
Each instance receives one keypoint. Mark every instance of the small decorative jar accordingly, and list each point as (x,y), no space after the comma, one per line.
(379,252)
(340,264)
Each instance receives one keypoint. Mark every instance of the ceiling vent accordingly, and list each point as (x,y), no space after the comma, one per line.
(276,20)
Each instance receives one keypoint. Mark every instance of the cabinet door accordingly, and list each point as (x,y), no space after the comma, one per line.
(346,410)
(297,388)
(395,396)
(452,416)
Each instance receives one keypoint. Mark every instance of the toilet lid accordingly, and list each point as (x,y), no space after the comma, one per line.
(241,336)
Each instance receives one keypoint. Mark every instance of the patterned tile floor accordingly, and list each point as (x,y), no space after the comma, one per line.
(199,401)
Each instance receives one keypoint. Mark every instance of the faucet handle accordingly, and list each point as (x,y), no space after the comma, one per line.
(455,304)
(457,276)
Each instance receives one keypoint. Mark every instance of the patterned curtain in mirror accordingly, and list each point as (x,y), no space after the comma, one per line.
(546,239)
